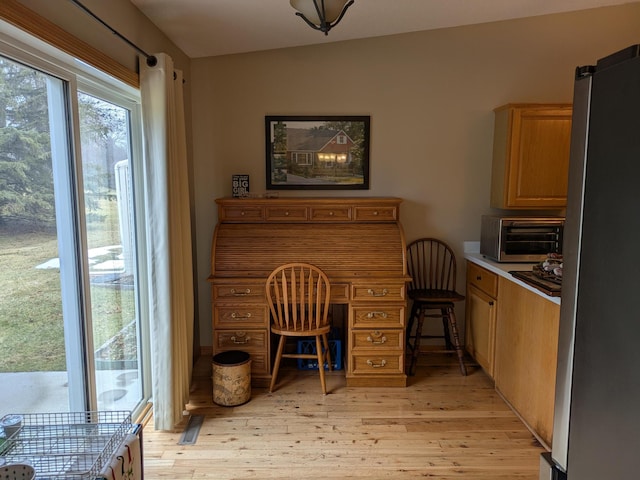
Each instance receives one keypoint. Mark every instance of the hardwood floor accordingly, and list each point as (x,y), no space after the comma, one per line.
(442,426)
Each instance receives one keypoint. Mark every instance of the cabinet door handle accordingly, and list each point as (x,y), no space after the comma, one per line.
(373,293)
(491,304)
(478,278)
(377,314)
(371,363)
(243,340)
(380,338)
(238,315)
(240,293)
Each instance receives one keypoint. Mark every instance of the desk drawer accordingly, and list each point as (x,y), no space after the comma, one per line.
(331,213)
(286,214)
(373,363)
(239,213)
(240,316)
(259,363)
(339,293)
(376,340)
(376,214)
(379,292)
(241,340)
(240,291)
(377,316)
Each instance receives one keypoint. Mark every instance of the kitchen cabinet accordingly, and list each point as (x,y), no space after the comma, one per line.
(526,351)
(531,156)
(481,308)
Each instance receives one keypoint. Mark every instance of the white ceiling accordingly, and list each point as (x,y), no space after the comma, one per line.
(203,28)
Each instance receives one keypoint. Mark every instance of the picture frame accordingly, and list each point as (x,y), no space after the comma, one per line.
(239,186)
(317,152)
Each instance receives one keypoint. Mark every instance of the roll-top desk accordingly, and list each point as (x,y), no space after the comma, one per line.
(357,242)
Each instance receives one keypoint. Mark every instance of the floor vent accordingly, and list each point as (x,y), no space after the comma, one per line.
(191,431)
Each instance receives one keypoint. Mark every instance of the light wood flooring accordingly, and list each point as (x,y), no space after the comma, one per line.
(442,426)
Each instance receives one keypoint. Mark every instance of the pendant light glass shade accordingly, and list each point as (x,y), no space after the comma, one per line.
(321,15)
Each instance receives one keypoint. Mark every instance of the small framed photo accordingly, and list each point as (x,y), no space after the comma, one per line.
(317,152)
(240,186)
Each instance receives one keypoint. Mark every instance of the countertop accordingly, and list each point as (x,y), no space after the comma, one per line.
(503,270)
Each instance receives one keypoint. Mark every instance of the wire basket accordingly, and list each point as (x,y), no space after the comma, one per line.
(73,446)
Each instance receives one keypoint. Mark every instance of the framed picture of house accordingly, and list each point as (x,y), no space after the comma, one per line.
(317,152)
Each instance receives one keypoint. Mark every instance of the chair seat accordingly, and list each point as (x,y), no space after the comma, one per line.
(435,296)
(300,332)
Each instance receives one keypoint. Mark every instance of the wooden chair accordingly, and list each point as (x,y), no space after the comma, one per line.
(432,266)
(298,298)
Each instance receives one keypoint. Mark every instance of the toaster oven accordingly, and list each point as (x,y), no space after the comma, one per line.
(520,239)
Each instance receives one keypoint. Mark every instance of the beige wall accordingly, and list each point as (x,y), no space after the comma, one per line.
(121,15)
(430,96)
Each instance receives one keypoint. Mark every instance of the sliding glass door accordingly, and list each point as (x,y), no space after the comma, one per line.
(109,227)
(33,355)
(71,334)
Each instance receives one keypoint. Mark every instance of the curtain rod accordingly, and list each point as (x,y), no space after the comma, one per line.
(151,60)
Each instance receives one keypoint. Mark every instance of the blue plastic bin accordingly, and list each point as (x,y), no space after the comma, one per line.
(309,346)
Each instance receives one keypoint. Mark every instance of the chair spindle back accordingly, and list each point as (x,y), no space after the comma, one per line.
(431,264)
(298,297)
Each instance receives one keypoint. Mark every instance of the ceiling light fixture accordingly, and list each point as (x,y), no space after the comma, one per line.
(321,15)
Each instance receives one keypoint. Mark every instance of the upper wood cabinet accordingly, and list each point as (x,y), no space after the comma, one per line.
(531,156)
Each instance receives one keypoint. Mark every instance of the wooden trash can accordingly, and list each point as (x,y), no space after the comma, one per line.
(231,378)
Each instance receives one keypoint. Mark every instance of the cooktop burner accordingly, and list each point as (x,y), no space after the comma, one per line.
(548,287)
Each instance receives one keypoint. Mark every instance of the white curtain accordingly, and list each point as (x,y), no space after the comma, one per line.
(169,257)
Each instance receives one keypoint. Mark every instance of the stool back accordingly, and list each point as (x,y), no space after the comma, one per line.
(431,264)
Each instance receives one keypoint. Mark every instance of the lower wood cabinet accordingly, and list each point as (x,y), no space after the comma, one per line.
(480,327)
(481,309)
(526,353)
(512,333)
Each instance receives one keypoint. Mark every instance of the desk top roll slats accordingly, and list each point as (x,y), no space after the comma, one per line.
(342,251)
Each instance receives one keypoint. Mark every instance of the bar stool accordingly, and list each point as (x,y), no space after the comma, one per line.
(432,266)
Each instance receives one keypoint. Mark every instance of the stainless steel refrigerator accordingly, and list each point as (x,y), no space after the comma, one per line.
(596,432)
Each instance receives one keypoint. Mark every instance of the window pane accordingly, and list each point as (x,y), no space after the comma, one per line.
(108,204)
(32,339)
